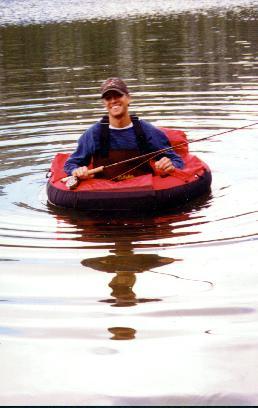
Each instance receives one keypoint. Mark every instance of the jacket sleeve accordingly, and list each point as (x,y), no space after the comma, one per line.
(158,140)
(82,154)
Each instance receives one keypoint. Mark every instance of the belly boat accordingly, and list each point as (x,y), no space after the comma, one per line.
(145,192)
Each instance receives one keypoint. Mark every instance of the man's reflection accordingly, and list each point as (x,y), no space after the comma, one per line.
(126,265)
(106,231)
(122,291)
(122,333)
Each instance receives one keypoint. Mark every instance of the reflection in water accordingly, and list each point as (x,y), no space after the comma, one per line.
(122,291)
(126,266)
(122,333)
(129,231)
(196,71)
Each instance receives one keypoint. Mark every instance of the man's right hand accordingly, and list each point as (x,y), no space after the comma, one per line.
(81,172)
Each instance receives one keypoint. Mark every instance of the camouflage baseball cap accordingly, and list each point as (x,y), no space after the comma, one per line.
(114,84)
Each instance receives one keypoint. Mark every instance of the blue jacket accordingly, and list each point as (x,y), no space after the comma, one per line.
(120,139)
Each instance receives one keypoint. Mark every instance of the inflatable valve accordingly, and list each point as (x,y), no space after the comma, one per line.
(72,182)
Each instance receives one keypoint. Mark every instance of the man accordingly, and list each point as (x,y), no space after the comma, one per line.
(119,137)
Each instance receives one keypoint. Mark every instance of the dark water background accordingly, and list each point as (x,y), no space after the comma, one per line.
(153,309)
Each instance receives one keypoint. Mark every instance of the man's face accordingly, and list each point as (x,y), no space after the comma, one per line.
(116,104)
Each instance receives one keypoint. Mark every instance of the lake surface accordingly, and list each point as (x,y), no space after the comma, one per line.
(140,309)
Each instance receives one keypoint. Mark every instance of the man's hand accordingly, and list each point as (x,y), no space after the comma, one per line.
(81,172)
(164,166)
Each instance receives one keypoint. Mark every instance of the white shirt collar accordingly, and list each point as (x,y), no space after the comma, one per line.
(116,128)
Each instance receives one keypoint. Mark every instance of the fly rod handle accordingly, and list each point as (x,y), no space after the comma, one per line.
(73,181)
(95,170)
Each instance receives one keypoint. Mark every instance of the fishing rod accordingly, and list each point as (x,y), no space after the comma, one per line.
(225,131)
(72,182)
(154,154)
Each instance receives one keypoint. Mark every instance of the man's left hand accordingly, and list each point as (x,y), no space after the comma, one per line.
(164,166)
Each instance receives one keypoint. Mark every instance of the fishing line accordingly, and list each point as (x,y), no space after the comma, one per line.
(154,154)
(180,277)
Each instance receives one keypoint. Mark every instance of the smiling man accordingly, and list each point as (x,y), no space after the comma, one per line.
(120,136)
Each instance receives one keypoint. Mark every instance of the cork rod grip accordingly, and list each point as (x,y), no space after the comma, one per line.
(96,170)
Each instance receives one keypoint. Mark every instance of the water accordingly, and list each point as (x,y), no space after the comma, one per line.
(146,309)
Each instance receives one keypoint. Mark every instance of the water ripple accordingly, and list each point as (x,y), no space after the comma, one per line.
(96,293)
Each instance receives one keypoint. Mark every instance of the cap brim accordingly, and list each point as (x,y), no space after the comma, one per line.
(112,89)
